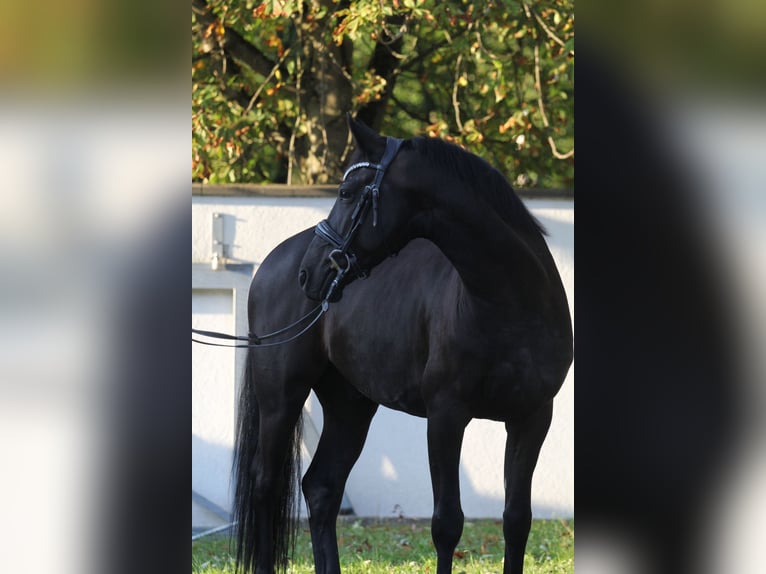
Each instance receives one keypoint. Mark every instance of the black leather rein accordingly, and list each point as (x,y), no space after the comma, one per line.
(255,341)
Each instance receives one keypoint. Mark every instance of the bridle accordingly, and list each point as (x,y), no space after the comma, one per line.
(370,196)
(342,258)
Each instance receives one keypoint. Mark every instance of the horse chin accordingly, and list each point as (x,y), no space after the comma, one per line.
(314,292)
(337,293)
(319,291)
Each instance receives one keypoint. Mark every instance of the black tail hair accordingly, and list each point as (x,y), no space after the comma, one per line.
(285,521)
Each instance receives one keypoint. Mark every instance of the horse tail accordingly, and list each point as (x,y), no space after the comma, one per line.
(246,444)
(285,518)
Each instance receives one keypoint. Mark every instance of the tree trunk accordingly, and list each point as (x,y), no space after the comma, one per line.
(325,97)
(384,63)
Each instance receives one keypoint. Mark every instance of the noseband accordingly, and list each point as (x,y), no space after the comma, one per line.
(342,258)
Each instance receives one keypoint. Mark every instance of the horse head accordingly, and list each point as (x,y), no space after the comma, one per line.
(368,221)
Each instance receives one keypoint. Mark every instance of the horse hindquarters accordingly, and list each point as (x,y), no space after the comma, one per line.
(267,471)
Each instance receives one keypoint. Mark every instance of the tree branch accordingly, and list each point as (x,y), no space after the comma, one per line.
(455,87)
(267,80)
(546,29)
(233,43)
(540,103)
(238,95)
(385,62)
(409,64)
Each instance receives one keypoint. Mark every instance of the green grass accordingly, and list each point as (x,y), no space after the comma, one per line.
(404,546)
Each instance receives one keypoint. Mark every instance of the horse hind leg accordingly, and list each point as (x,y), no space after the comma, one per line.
(525,438)
(445,438)
(347,417)
(275,472)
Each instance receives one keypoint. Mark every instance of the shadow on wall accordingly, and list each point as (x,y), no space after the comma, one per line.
(213,484)
(211,479)
(392,478)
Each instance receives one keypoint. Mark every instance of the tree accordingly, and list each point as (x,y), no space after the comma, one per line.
(271,83)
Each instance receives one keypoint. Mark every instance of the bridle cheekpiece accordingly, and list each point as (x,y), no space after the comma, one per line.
(342,258)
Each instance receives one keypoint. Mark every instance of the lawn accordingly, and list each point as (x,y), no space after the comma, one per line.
(404,546)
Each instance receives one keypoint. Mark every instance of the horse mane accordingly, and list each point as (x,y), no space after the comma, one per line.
(481,178)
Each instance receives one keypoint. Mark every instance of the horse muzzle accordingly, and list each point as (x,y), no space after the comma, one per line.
(325,283)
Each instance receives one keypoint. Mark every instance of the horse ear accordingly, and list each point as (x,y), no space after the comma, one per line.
(367,139)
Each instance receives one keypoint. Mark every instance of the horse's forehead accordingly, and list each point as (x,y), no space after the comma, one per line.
(359,165)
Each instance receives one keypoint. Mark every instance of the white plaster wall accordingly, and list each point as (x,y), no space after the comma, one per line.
(391,476)
(213,400)
(255,224)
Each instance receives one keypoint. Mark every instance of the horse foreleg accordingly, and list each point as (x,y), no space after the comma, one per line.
(522,448)
(445,438)
(346,422)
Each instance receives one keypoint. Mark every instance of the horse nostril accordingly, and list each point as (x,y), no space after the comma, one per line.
(302,278)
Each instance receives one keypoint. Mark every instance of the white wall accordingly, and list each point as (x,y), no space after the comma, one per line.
(213,389)
(392,472)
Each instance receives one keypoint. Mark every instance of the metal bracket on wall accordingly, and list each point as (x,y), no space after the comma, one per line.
(219,246)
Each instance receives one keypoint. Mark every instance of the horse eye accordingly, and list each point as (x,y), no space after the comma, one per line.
(345,194)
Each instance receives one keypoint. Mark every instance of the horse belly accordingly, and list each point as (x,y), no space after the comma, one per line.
(389,378)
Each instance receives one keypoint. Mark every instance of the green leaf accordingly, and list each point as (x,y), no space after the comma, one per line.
(496,83)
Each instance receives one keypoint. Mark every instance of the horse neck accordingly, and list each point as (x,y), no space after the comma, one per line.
(496,263)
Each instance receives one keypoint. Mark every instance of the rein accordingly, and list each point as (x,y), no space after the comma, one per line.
(320,310)
(341,244)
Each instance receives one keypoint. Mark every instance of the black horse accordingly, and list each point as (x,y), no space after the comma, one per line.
(469,320)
